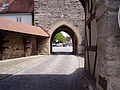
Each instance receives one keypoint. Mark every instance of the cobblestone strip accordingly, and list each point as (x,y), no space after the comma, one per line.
(12,66)
(78,82)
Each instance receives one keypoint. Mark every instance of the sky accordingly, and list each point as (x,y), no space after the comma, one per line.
(64,33)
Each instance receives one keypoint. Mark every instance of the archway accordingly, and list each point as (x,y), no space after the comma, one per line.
(71,32)
(62,43)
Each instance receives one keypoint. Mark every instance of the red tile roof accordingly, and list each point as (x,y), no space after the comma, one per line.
(17,6)
(13,26)
(5,1)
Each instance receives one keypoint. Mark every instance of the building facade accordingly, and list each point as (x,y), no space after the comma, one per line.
(60,15)
(19,40)
(102,44)
(25,18)
(17,10)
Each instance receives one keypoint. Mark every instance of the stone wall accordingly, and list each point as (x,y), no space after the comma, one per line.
(48,13)
(43,46)
(28,42)
(108,63)
(107,72)
(19,45)
(14,48)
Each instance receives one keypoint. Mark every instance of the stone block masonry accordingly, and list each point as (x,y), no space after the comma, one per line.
(48,13)
(107,71)
(14,45)
(14,48)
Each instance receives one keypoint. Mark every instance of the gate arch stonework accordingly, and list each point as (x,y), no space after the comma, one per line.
(70,29)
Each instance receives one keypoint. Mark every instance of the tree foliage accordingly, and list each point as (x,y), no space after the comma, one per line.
(59,38)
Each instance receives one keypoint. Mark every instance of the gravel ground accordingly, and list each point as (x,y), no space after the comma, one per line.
(55,72)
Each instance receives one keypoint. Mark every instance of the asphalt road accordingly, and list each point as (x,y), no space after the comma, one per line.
(57,72)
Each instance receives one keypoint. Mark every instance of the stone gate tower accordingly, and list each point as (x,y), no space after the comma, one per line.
(56,15)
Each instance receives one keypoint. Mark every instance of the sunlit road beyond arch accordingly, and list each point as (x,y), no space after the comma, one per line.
(62,50)
(56,72)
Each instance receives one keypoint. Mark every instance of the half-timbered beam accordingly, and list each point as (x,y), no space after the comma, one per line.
(91,48)
(90,19)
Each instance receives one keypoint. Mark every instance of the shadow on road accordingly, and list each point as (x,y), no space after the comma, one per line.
(73,81)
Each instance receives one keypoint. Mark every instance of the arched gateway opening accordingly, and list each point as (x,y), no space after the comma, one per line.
(70,30)
(62,43)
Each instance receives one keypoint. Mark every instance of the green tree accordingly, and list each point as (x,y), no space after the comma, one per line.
(59,38)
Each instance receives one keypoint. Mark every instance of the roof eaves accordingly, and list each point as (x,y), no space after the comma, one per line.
(5,31)
(13,26)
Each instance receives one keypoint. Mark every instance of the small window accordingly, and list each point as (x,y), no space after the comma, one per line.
(63,1)
(5,5)
(19,19)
